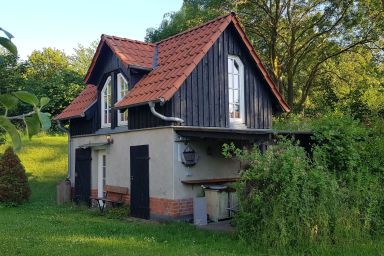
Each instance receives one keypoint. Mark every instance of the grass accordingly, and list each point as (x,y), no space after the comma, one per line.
(40,227)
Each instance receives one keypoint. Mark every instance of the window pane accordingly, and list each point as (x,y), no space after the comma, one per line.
(230,65)
(235,81)
(230,95)
(236,98)
(230,81)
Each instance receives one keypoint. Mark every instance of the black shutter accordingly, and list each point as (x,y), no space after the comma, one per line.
(83,175)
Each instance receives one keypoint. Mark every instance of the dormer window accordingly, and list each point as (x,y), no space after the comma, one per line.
(106,103)
(236,90)
(122,90)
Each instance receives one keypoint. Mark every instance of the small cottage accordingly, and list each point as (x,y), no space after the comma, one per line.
(154,116)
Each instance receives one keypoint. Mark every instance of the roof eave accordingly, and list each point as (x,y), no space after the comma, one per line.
(138,104)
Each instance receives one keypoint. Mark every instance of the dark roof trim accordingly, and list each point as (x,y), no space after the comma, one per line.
(141,68)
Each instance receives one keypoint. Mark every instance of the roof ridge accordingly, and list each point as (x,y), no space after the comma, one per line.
(196,27)
(127,39)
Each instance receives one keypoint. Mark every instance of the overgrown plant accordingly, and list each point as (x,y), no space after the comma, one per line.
(288,199)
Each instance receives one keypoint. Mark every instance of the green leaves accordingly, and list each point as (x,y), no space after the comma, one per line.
(44,101)
(32,125)
(7,43)
(44,120)
(8,101)
(34,121)
(27,98)
(6,124)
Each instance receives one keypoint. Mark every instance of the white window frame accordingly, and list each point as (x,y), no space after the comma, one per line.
(103,91)
(241,119)
(119,89)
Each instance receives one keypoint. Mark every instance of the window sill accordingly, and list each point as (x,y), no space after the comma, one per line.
(237,124)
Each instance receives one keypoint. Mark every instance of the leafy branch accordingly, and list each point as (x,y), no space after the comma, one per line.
(35,120)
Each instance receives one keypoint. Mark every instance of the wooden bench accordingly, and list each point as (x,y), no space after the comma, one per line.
(113,195)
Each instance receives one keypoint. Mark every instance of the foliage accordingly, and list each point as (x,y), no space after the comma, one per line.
(352,83)
(14,187)
(7,43)
(50,74)
(82,58)
(288,199)
(35,120)
(11,73)
(297,40)
(191,14)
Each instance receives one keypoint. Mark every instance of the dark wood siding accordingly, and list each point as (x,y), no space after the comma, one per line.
(84,125)
(141,117)
(202,100)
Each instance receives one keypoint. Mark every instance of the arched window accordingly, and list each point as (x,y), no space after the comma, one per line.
(236,90)
(106,103)
(122,90)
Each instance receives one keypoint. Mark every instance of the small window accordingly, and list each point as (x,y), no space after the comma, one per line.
(236,89)
(122,90)
(106,103)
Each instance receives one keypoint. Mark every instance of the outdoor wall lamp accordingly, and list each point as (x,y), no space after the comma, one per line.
(109,139)
(189,157)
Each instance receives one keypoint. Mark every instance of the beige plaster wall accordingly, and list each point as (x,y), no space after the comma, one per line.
(161,143)
(210,165)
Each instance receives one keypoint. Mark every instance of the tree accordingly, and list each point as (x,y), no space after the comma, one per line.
(353,83)
(295,38)
(299,37)
(14,186)
(11,73)
(192,13)
(81,60)
(50,74)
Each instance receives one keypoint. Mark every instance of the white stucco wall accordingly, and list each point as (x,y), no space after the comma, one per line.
(161,143)
(211,165)
(166,170)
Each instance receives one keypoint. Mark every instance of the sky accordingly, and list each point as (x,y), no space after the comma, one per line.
(63,24)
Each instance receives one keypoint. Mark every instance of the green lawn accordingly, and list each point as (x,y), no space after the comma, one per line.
(40,227)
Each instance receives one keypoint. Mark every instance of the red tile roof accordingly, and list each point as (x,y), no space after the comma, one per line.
(130,52)
(80,104)
(177,58)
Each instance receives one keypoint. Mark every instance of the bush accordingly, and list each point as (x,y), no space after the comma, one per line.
(14,188)
(288,199)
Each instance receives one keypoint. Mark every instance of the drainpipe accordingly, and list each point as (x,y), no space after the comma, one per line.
(69,148)
(165,118)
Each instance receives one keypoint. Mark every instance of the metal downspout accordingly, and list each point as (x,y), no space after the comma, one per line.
(165,118)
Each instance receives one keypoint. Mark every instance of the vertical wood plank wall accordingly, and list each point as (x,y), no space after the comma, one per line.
(202,100)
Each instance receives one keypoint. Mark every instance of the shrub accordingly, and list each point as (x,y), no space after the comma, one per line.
(14,188)
(288,199)
(283,202)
